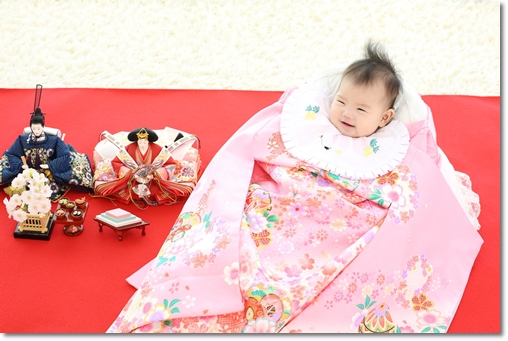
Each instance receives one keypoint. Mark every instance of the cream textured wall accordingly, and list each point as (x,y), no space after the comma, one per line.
(439,46)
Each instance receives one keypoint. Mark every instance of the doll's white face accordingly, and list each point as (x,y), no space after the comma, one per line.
(37,129)
(358,111)
(143,144)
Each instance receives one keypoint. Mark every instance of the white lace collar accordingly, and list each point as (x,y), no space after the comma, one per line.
(309,135)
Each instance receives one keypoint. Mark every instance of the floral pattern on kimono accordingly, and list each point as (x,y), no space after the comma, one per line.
(281,237)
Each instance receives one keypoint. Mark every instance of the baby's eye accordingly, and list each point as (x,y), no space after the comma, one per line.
(340,102)
(360,109)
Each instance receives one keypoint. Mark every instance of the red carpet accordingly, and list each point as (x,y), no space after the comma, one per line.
(77,284)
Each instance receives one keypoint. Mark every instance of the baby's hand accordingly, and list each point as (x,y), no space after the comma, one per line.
(25,166)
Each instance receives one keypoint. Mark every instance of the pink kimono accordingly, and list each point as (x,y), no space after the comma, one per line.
(294,227)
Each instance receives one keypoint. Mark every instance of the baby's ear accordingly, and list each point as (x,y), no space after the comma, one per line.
(386,118)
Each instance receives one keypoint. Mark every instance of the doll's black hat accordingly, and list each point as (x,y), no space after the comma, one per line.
(37,115)
(136,134)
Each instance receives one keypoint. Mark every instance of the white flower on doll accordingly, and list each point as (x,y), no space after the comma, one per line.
(34,198)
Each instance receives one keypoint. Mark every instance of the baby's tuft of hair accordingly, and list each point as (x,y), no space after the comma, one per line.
(376,66)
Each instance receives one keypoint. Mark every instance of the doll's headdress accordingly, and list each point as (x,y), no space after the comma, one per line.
(37,116)
(143,134)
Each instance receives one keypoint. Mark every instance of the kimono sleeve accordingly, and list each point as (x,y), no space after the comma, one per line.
(60,162)
(14,154)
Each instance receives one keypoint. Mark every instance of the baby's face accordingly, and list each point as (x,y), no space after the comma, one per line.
(358,111)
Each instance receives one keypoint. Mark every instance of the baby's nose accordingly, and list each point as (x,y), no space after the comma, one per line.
(347,113)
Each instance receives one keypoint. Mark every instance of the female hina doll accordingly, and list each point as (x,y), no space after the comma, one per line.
(322,232)
(48,153)
(139,172)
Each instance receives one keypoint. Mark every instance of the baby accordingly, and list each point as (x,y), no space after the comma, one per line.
(316,216)
(366,95)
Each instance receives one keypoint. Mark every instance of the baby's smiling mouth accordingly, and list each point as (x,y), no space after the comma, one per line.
(347,124)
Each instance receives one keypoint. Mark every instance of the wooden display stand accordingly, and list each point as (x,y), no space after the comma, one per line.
(35,227)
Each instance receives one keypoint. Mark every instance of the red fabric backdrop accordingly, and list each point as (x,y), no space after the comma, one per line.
(77,284)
